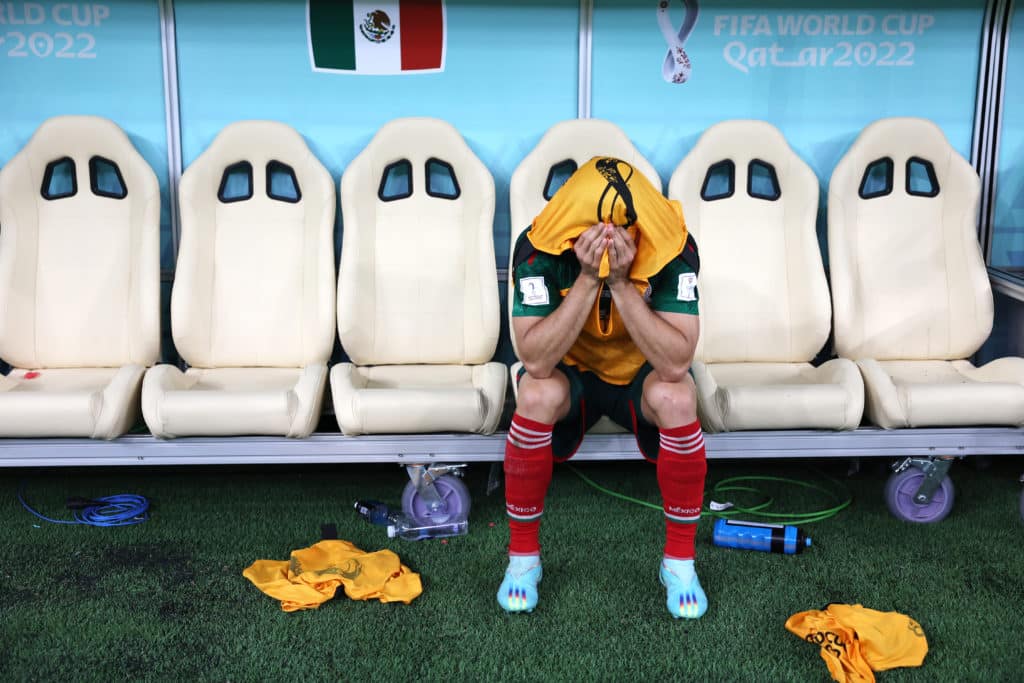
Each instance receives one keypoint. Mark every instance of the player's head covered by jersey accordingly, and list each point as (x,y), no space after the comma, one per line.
(609,190)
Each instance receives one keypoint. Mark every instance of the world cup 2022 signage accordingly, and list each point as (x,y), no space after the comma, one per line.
(50,30)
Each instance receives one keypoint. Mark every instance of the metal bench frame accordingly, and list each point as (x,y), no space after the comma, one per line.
(431,448)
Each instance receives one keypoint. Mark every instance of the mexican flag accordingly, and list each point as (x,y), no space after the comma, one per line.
(383,37)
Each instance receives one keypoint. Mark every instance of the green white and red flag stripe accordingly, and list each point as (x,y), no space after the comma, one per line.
(388,37)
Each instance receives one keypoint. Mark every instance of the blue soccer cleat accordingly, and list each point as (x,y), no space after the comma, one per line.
(686,599)
(518,591)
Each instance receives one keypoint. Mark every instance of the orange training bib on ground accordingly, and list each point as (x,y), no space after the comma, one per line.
(313,575)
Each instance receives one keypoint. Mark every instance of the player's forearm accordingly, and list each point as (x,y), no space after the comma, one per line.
(547,342)
(668,350)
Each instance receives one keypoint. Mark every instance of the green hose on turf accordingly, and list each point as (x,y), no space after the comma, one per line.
(758,510)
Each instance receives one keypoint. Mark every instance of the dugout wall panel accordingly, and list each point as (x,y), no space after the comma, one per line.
(819,71)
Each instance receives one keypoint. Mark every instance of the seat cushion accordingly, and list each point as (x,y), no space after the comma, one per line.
(101,403)
(944,394)
(233,401)
(410,399)
(738,396)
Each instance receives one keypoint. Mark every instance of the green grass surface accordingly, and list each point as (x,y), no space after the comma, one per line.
(166,599)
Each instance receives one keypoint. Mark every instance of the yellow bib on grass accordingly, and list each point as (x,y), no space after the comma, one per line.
(856,641)
(313,575)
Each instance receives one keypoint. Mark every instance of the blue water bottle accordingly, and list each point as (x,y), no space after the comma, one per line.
(768,538)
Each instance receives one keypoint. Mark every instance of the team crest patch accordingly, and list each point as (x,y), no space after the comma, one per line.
(377,26)
(687,290)
(535,292)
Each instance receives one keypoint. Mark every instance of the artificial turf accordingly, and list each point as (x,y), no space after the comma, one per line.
(166,599)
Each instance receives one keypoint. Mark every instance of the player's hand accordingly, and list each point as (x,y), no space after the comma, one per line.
(621,252)
(590,248)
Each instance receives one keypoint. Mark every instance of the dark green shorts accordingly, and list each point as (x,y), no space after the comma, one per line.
(590,398)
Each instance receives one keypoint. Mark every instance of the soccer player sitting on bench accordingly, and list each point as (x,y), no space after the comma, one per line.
(605,321)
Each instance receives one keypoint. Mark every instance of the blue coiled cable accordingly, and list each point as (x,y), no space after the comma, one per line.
(124,509)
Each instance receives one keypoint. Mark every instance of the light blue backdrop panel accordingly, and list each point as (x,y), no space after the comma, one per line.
(101,59)
(1008,238)
(818,71)
(510,73)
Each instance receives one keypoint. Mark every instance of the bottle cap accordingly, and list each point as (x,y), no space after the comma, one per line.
(391,530)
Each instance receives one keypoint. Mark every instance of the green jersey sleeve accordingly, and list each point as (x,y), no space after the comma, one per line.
(537,291)
(674,289)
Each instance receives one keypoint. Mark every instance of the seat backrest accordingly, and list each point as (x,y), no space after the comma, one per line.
(79,249)
(564,147)
(254,284)
(751,204)
(417,281)
(908,278)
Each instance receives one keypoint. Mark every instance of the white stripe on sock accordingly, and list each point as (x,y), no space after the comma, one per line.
(680,440)
(527,446)
(524,518)
(678,451)
(521,439)
(682,448)
(529,439)
(687,446)
(527,432)
(680,518)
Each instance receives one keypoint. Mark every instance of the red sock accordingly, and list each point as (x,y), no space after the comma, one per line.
(528,465)
(681,469)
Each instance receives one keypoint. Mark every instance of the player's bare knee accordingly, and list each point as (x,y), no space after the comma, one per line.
(544,400)
(674,403)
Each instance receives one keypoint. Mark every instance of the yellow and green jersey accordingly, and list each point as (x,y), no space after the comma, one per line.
(604,346)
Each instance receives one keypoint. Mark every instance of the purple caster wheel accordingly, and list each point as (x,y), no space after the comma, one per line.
(899,496)
(454,498)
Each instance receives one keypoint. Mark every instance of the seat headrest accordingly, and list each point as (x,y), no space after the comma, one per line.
(898,137)
(258,142)
(741,140)
(414,148)
(80,137)
(892,146)
(254,167)
(744,160)
(416,139)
